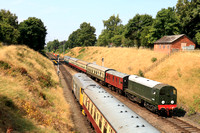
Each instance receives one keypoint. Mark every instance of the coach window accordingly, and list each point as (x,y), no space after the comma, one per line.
(91,109)
(88,105)
(81,90)
(97,115)
(116,80)
(113,78)
(94,113)
(119,81)
(105,128)
(100,122)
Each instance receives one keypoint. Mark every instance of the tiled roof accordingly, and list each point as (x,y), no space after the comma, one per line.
(169,39)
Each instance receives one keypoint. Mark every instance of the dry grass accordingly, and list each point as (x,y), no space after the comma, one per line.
(126,60)
(181,70)
(29,83)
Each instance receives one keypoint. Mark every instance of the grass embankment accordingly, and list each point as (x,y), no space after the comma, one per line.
(181,69)
(31,99)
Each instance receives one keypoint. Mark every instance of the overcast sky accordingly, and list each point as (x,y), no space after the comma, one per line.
(62,17)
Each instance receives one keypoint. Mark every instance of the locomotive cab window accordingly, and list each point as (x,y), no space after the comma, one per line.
(174,91)
(162,92)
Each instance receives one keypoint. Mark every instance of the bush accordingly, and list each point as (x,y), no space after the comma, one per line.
(153,59)
(140,73)
(4,65)
(82,50)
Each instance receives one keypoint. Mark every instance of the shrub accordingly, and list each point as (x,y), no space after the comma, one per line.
(82,50)
(4,65)
(140,73)
(154,59)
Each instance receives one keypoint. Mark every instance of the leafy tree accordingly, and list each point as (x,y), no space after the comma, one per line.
(84,36)
(117,40)
(144,37)
(104,38)
(9,18)
(53,45)
(197,37)
(9,33)
(166,23)
(32,33)
(135,27)
(87,36)
(188,12)
(113,27)
(112,23)
(127,42)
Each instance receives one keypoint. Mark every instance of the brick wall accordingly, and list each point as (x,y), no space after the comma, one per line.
(165,48)
(183,40)
(175,46)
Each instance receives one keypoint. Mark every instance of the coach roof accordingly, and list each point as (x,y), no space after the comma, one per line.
(119,116)
(143,81)
(99,67)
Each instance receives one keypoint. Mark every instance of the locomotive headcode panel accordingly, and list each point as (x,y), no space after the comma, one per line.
(105,112)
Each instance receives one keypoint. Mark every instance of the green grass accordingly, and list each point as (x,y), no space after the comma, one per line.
(80,56)
(82,50)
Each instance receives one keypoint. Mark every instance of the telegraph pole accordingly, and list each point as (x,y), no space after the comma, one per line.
(58,70)
(102,62)
(63,49)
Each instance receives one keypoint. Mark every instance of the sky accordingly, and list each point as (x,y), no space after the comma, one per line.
(62,17)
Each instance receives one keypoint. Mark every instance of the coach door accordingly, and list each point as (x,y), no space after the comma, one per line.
(81,96)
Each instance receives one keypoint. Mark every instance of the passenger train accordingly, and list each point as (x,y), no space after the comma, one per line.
(155,96)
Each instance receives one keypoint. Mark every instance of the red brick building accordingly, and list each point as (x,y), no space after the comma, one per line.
(168,44)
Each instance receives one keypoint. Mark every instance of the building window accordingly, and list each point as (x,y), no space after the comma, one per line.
(163,46)
(168,46)
(160,46)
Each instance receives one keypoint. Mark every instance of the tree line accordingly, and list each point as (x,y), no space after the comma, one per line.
(141,30)
(30,32)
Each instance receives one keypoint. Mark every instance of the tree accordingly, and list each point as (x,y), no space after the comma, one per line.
(32,33)
(53,45)
(188,12)
(112,23)
(197,37)
(117,40)
(166,23)
(9,33)
(113,27)
(84,36)
(135,27)
(87,36)
(104,38)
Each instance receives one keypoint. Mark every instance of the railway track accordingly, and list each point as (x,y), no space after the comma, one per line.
(175,124)
(182,126)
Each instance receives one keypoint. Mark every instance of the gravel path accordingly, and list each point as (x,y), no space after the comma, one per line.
(80,121)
